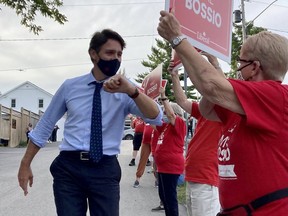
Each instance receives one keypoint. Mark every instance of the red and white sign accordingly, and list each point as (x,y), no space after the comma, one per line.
(206,23)
(152,82)
(164,83)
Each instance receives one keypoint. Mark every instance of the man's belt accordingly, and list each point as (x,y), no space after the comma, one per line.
(82,155)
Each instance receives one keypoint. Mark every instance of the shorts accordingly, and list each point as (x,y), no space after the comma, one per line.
(137,141)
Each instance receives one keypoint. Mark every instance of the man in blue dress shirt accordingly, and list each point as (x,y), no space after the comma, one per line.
(77,180)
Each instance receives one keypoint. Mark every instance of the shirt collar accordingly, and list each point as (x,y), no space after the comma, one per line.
(91,79)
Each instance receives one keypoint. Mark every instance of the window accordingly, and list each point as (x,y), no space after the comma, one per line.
(41,103)
(13,103)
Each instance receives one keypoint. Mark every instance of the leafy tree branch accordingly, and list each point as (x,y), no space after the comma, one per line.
(27,10)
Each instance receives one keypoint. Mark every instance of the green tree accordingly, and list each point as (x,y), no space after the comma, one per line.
(27,9)
(161,53)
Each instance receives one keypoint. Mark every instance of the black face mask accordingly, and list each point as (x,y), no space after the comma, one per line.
(109,67)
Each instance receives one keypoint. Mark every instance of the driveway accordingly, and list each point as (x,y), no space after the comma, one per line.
(40,201)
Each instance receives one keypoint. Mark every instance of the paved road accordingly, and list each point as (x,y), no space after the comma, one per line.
(40,201)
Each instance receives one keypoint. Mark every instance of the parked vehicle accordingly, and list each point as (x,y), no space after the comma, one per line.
(128,134)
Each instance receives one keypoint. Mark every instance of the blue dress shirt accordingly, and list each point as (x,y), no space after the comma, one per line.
(75,97)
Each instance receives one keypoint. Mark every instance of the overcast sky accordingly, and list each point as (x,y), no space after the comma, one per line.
(47,62)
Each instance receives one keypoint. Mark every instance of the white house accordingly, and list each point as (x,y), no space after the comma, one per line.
(30,97)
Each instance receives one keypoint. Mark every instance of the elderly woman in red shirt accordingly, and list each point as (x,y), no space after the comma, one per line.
(169,155)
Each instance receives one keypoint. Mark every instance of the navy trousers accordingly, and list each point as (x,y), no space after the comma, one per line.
(78,184)
(167,189)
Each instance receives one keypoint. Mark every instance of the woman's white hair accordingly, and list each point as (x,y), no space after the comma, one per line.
(271,50)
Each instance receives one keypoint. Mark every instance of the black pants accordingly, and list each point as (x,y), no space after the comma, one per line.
(167,189)
(78,182)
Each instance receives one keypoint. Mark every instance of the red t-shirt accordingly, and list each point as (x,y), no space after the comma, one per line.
(201,164)
(253,150)
(138,125)
(146,139)
(154,140)
(169,150)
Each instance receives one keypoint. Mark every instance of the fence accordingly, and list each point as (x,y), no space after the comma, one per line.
(13,125)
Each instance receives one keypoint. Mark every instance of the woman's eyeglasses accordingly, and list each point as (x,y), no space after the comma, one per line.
(239,60)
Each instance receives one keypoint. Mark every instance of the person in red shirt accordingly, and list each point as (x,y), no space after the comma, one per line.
(252,151)
(169,154)
(144,153)
(201,162)
(138,125)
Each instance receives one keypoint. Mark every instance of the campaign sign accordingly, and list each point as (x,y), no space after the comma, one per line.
(164,83)
(207,24)
(152,82)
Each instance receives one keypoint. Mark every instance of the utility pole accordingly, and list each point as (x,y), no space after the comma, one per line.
(244,25)
(244,35)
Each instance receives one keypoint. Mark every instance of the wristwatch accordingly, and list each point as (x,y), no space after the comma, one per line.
(177,40)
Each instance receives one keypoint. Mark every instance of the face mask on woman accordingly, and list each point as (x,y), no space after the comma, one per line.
(239,75)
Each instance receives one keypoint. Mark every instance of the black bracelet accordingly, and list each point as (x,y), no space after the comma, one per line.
(163,99)
(135,94)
